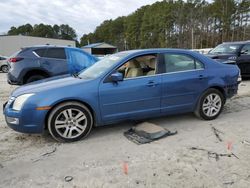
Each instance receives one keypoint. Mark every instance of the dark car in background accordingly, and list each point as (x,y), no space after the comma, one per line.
(3,64)
(39,62)
(233,52)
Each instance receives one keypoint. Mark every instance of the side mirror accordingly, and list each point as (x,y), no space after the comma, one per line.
(244,52)
(116,77)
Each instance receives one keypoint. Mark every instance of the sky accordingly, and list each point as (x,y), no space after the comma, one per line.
(82,15)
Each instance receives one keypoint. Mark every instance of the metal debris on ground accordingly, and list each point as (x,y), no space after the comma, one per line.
(229,183)
(48,153)
(217,132)
(246,142)
(214,154)
(45,154)
(68,178)
(146,132)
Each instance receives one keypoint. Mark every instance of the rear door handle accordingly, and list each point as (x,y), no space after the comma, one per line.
(201,77)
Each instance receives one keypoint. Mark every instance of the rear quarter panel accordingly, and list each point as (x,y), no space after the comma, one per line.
(223,76)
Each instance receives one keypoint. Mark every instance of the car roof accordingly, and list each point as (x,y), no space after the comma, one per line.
(237,42)
(48,46)
(157,50)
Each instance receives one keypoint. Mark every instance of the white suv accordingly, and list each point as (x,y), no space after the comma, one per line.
(3,64)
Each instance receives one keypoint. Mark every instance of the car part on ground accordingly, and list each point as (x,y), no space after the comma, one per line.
(145,132)
(161,82)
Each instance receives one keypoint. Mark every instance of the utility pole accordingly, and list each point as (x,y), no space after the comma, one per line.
(192,37)
(125,44)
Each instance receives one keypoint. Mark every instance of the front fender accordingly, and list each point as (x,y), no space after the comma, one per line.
(89,97)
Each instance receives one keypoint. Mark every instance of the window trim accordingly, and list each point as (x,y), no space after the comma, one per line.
(35,54)
(164,71)
(160,74)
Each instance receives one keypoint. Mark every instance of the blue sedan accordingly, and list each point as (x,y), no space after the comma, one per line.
(128,85)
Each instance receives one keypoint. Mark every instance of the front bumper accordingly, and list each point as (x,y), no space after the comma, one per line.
(28,120)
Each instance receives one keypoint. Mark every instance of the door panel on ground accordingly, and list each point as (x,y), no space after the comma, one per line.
(182,83)
(137,96)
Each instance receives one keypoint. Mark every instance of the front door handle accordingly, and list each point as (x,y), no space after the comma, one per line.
(152,84)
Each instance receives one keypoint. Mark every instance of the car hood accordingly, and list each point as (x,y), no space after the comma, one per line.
(220,56)
(47,84)
(223,58)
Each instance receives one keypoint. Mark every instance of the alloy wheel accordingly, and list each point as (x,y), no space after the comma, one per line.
(212,105)
(71,123)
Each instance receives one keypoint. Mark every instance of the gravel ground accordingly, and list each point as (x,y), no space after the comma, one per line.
(107,159)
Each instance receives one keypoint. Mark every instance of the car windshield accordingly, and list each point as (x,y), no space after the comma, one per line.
(225,49)
(101,66)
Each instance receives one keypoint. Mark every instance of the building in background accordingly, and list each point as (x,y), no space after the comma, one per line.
(9,44)
(100,49)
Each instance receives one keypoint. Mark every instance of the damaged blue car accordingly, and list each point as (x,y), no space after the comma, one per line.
(129,85)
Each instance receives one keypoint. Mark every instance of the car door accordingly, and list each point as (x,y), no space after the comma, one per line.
(243,60)
(183,81)
(54,61)
(136,96)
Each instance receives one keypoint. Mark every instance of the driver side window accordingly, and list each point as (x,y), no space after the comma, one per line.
(139,66)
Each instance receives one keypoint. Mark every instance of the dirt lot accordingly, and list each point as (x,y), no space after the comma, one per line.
(99,160)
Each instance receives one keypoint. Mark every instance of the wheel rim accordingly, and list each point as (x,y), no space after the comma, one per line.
(212,105)
(71,123)
(5,69)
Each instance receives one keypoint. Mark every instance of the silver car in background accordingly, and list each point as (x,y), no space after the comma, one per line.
(3,64)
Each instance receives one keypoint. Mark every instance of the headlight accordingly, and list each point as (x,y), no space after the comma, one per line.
(18,103)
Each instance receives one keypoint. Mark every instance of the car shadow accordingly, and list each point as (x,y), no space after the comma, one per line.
(172,123)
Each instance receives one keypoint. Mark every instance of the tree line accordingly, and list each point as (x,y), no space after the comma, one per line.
(63,31)
(169,23)
(177,23)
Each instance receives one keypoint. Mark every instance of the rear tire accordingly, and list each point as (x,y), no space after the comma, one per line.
(5,68)
(70,122)
(210,104)
(34,78)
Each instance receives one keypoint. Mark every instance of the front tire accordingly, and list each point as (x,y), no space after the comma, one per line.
(210,104)
(70,121)
(34,78)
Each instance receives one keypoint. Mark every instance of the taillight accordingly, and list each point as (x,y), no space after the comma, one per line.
(15,59)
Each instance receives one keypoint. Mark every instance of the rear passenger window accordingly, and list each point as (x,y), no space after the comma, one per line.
(57,53)
(180,62)
(40,52)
